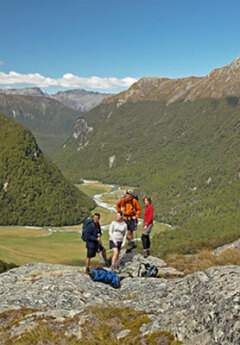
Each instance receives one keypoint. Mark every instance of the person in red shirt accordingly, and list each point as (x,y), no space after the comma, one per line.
(147,226)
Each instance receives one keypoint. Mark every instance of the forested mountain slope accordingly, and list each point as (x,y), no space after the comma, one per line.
(33,191)
(185,155)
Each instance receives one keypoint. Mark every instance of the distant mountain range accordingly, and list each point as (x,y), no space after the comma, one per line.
(50,121)
(51,118)
(27,91)
(33,191)
(80,99)
(77,99)
(177,140)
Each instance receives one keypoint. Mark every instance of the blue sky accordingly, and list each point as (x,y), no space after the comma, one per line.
(106,45)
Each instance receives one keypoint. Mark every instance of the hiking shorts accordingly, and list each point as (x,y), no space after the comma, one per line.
(148,229)
(100,248)
(91,252)
(131,224)
(112,245)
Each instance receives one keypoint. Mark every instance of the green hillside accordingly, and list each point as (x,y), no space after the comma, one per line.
(50,121)
(185,155)
(33,191)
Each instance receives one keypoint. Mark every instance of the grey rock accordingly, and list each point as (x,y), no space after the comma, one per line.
(201,309)
(123,334)
(235,244)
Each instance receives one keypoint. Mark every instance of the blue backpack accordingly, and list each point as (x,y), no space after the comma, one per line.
(108,277)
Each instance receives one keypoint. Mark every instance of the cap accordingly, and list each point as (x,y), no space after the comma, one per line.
(129,191)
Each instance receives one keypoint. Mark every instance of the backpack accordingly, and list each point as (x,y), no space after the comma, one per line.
(108,277)
(135,196)
(150,270)
(87,221)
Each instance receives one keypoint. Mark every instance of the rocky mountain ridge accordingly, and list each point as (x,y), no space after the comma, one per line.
(224,81)
(26,91)
(81,100)
(77,99)
(199,309)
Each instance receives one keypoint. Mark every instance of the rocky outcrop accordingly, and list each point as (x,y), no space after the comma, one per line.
(132,265)
(81,131)
(200,309)
(220,250)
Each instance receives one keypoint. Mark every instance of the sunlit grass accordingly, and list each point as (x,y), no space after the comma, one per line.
(94,188)
(203,260)
(21,231)
(55,248)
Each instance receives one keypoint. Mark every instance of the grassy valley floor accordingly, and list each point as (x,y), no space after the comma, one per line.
(22,245)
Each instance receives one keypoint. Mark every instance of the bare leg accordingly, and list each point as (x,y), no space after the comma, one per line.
(104,254)
(115,256)
(130,235)
(87,262)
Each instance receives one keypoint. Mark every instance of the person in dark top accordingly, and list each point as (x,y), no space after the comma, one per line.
(93,241)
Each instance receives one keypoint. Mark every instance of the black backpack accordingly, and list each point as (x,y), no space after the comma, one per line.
(135,196)
(87,221)
(150,270)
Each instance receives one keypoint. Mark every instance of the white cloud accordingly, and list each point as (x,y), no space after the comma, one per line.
(68,80)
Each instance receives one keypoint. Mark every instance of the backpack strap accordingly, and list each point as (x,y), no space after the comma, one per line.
(124,205)
(140,266)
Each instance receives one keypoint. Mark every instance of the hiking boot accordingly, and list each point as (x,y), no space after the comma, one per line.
(131,245)
(134,245)
(115,269)
(145,253)
(87,270)
(148,252)
(108,263)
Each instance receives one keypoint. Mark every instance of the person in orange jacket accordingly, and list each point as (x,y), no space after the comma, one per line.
(131,212)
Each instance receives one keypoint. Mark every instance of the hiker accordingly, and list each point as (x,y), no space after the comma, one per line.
(93,241)
(147,226)
(117,237)
(131,212)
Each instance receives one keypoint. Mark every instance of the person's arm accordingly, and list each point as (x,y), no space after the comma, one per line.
(119,205)
(99,233)
(111,229)
(149,216)
(89,233)
(137,208)
(125,235)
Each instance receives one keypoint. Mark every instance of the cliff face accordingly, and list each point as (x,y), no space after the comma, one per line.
(199,309)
